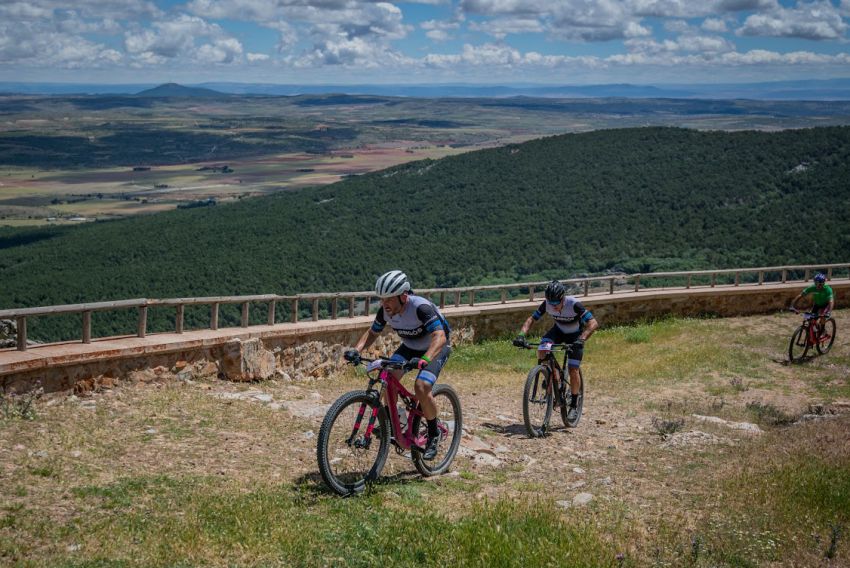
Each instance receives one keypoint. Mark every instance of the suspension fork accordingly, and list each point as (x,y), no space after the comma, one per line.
(370,426)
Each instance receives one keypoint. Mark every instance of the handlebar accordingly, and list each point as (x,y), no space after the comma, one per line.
(386,363)
(555,346)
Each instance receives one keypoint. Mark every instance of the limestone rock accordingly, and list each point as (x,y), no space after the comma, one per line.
(582,499)
(247,360)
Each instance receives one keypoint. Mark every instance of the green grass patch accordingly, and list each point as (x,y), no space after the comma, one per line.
(162,521)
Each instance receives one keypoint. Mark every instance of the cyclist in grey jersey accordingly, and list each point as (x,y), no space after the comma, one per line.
(415,324)
(573,324)
(424,334)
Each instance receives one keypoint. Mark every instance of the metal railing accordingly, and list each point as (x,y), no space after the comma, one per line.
(463,296)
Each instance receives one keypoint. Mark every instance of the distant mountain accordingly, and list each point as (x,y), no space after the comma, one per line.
(831,89)
(175,90)
(814,90)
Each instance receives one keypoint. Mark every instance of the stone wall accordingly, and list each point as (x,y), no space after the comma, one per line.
(314,349)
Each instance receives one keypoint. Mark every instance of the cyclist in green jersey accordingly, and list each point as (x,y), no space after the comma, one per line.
(823,300)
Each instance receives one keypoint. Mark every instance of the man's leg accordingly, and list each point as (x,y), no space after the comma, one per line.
(423,388)
(575,381)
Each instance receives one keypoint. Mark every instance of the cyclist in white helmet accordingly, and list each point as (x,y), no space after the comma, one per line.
(424,336)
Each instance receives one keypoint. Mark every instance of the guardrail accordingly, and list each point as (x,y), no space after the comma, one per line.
(467,296)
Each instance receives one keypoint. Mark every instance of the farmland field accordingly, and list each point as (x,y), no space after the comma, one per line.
(102,157)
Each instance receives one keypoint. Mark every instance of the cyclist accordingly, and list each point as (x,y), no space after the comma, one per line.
(425,335)
(573,324)
(823,299)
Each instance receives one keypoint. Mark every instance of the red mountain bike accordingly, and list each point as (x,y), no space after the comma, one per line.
(356,433)
(811,335)
(540,393)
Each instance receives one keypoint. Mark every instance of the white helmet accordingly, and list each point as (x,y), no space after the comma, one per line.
(393,283)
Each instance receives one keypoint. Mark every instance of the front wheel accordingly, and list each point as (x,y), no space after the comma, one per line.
(565,408)
(348,458)
(827,337)
(537,401)
(799,346)
(450,423)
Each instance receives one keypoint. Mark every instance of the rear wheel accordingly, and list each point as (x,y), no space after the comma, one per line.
(450,422)
(799,346)
(348,459)
(565,408)
(537,401)
(827,337)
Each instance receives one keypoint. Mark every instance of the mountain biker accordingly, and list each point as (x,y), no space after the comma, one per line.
(424,336)
(573,324)
(823,299)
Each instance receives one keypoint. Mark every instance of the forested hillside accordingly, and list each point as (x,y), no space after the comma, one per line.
(632,199)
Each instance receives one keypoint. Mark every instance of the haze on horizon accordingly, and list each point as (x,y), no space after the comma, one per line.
(423,41)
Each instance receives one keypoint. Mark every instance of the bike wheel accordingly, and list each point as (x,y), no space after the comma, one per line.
(827,337)
(565,408)
(537,401)
(347,459)
(450,420)
(799,346)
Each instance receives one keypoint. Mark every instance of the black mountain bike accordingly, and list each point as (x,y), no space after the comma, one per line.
(541,394)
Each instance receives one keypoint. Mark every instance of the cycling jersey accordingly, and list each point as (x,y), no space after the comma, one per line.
(569,318)
(415,324)
(820,298)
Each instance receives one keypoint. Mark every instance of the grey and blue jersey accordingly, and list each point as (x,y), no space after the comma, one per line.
(415,324)
(569,319)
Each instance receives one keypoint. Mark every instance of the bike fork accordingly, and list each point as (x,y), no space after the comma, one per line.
(367,436)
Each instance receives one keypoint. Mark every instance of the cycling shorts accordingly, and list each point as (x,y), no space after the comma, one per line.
(430,373)
(819,310)
(555,335)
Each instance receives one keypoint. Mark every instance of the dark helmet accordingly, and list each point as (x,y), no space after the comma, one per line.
(820,278)
(555,291)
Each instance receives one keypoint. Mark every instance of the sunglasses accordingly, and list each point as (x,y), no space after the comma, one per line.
(551,303)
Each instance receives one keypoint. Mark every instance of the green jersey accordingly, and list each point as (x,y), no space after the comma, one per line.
(821,297)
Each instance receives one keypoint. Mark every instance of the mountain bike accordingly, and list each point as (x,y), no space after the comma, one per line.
(356,434)
(540,393)
(811,335)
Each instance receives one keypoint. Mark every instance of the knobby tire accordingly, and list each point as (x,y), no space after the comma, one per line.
(346,468)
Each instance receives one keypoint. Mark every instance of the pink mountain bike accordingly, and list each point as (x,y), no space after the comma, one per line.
(356,434)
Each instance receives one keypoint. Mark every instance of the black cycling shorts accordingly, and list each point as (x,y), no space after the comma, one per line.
(430,373)
(555,335)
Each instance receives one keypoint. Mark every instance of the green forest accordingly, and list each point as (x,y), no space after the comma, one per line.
(639,199)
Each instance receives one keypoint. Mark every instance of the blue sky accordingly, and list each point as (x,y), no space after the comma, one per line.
(429,41)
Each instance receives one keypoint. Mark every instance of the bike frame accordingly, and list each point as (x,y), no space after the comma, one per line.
(552,359)
(393,388)
(813,329)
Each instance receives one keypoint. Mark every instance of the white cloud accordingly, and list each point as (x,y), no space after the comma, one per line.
(715,25)
(677,26)
(348,52)
(176,39)
(225,50)
(439,30)
(501,27)
(817,20)
(24,10)
(692,9)
(438,35)
(256,57)
(27,43)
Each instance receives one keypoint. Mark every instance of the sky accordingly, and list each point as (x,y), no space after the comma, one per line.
(566,42)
